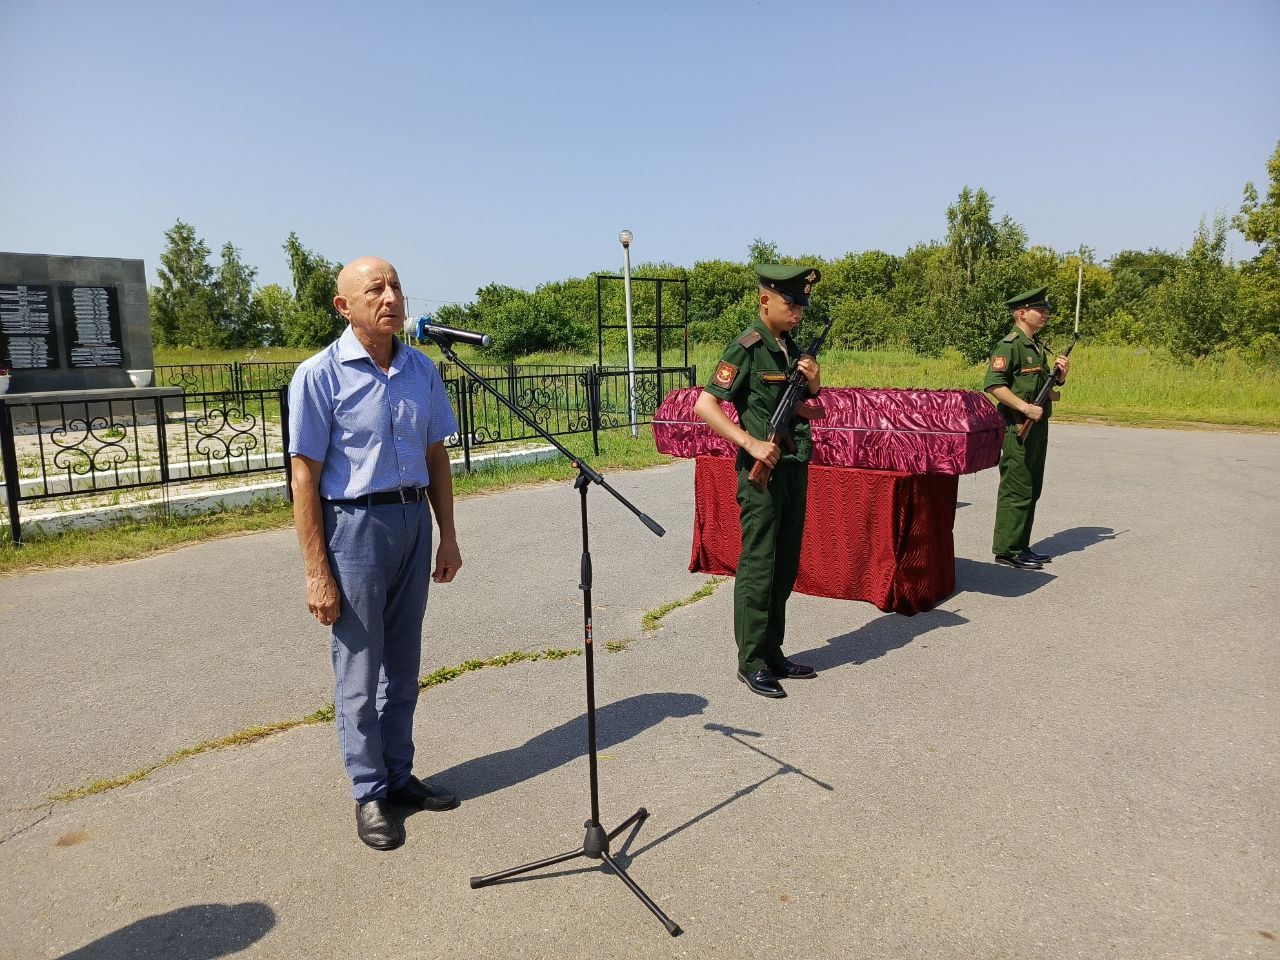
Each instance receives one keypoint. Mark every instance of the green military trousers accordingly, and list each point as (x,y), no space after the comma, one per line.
(1021,477)
(772,527)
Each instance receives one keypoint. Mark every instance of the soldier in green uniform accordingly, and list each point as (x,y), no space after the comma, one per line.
(1018,368)
(752,375)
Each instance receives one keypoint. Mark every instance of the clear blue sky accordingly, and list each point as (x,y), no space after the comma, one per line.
(509,142)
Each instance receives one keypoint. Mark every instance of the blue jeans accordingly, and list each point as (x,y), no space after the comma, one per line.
(381,559)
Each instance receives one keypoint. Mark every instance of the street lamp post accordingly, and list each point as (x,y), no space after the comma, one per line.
(625,239)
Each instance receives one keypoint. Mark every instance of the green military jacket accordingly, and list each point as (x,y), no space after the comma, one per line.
(1022,365)
(752,375)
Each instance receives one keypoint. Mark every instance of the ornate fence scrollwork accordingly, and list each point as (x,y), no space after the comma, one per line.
(87,446)
(225,432)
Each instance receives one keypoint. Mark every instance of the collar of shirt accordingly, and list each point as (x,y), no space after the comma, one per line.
(351,350)
(1026,340)
(776,344)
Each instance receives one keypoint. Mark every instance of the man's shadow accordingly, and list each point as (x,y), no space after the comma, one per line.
(615,723)
(877,638)
(198,932)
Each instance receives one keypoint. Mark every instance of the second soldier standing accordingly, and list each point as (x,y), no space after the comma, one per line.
(1019,367)
(752,375)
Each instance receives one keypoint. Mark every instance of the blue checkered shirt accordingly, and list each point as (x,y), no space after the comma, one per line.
(369,429)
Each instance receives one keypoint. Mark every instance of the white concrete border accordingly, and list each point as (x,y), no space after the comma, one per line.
(190,504)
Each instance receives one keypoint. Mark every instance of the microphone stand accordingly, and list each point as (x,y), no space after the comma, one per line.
(595,844)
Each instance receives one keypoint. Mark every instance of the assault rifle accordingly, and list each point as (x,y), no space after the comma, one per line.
(793,403)
(1043,393)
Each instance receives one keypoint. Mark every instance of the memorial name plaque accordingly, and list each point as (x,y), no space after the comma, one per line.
(26,327)
(91,326)
(72,323)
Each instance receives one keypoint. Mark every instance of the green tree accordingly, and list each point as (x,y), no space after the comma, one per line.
(233,292)
(715,287)
(985,265)
(921,298)
(1197,308)
(1124,315)
(971,234)
(1259,221)
(270,310)
(183,306)
(315,322)
(762,251)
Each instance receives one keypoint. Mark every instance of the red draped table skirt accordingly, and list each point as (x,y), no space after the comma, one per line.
(874,535)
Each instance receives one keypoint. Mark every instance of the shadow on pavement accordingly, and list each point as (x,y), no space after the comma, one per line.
(973,576)
(615,722)
(1075,540)
(736,734)
(876,638)
(198,932)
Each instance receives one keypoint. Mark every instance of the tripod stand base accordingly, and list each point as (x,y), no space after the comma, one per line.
(596,846)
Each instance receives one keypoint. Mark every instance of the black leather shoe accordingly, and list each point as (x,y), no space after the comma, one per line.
(375,827)
(415,793)
(790,670)
(1019,562)
(762,682)
(1036,557)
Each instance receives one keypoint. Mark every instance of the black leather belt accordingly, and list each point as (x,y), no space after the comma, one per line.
(403,495)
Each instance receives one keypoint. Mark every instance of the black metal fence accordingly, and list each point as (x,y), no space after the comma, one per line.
(77,448)
(562,400)
(64,448)
(225,377)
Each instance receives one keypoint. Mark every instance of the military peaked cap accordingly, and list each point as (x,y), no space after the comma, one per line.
(794,283)
(1038,297)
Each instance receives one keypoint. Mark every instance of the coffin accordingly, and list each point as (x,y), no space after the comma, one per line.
(911,431)
(876,535)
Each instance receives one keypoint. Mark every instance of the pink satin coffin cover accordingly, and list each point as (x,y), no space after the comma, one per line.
(915,431)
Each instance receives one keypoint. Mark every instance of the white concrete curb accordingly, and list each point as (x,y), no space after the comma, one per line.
(57,521)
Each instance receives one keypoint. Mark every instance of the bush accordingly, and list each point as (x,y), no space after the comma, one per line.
(1264,351)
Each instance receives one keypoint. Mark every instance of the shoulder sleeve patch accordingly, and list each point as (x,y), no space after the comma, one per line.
(725,372)
(750,338)
(998,363)
(1011,337)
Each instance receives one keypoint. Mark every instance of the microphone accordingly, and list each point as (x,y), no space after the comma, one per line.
(428,329)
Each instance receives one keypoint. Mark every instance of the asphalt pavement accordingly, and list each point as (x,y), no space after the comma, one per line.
(1076,763)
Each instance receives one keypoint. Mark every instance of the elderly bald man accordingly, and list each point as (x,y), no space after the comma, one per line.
(368,417)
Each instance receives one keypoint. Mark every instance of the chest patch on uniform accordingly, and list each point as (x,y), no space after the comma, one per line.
(997,363)
(1029,370)
(773,377)
(725,372)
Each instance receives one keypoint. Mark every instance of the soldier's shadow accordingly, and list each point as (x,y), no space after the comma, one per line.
(875,639)
(1076,540)
(989,577)
(615,723)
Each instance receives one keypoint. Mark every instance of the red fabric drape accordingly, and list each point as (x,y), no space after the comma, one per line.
(874,535)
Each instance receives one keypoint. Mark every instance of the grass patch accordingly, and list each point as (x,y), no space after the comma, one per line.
(445,674)
(653,619)
(238,739)
(131,539)
(1109,384)
(325,714)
